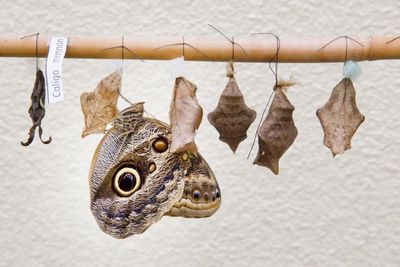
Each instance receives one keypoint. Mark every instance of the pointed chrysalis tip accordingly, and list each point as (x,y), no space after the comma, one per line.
(230,71)
(273,169)
(233,147)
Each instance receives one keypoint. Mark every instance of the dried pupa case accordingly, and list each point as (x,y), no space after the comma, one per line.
(232,117)
(277,133)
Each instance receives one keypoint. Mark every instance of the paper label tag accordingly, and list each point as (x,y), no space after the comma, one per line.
(177,67)
(57,49)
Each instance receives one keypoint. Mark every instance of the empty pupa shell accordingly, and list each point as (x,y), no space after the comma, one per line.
(340,117)
(277,133)
(232,117)
(185,116)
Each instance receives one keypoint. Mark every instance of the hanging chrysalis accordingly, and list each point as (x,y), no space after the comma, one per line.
(278,132)
(99,107)
(340,117)
(185,116)
(232,117)
(37,109)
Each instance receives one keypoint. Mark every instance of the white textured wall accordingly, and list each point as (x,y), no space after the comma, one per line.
(319,211)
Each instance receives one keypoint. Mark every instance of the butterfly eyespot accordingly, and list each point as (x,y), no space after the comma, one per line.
(206,196)
(152,167)
(126,181)
(196,194)
(160,145)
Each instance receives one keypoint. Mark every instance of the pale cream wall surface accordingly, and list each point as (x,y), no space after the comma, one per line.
(319,211)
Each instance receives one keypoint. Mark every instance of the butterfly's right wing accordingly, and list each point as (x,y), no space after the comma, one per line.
(201,197)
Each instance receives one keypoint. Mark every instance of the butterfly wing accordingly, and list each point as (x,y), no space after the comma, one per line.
(201,196)
(134,178)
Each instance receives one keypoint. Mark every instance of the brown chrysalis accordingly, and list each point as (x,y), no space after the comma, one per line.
(340,117)
(232,117)
(277,133)
(37,109)
(99,106)
(185,116)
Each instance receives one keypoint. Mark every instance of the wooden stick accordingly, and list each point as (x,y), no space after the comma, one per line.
(259,48)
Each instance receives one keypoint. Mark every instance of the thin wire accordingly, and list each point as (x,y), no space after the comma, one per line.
(233,49)
(259,124)
(231,41)
(183,44)
(346,38)
(337,38)
(37,52)
(278,47)
(148,114)
(398,37)
(276,57)
(36,49)
(122,62)
(123,48)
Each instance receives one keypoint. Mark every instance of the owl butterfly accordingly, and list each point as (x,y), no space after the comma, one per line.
(135,179)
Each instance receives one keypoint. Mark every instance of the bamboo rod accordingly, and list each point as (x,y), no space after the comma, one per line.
(258,48)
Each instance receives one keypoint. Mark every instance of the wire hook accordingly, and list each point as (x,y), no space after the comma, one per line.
(37,48)
(276,56)
(123,48)
(232,41)
(394,39)
(346,38)
(183,44)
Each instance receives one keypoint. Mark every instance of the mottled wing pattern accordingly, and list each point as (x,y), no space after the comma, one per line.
(161,179)
(135,179)
(201,196)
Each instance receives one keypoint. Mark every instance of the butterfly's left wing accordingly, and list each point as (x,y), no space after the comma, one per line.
(202,196)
